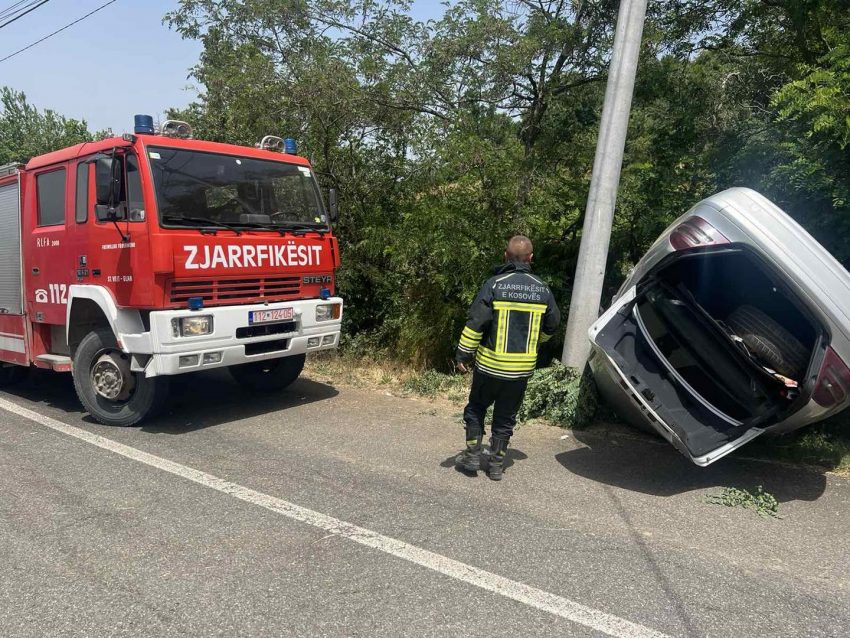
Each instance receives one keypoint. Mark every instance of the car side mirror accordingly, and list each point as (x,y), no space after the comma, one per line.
(334,205)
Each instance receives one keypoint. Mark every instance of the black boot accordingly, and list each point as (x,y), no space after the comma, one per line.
(496,464)
(470,458)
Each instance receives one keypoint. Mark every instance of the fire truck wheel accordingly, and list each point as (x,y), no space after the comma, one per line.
(111,393)
(270,375)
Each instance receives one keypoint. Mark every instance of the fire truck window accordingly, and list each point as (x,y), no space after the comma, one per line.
(82,195)
(51,198)
(135,199)
(229,189)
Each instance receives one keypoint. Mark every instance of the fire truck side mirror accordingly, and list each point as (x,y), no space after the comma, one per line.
(333,204)
(108,180)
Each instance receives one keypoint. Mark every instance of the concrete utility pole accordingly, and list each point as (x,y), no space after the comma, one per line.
(599,215)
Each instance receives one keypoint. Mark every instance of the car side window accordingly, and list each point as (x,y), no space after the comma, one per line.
(50,189)
(82,193)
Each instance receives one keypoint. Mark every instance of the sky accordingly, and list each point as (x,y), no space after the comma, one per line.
(120,61)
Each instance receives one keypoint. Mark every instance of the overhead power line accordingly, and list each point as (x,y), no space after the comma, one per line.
(16,7)
(13,8)
(20,15)
(50,35)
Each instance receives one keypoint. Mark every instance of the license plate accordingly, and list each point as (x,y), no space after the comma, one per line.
(270,316)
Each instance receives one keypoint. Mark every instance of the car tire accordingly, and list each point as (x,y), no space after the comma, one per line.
(769,342)
(145,399)
(270,375)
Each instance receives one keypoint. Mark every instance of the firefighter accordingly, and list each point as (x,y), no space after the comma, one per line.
(513,313)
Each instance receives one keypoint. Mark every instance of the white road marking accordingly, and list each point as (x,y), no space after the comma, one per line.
(563,607)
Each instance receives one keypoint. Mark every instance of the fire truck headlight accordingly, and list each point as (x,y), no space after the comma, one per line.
(326,312)
(193,326)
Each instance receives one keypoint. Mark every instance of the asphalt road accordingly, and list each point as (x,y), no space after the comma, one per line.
(122,536)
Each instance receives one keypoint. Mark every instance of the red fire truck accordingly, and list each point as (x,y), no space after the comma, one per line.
(131,259)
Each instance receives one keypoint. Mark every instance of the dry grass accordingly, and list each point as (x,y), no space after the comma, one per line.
(390,376)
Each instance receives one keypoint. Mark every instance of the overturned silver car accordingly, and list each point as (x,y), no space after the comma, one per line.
(734,324)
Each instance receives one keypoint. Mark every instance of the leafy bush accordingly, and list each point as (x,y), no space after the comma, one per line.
(764,503)
(561,395)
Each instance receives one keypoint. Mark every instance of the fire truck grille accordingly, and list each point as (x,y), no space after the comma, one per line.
(229,291)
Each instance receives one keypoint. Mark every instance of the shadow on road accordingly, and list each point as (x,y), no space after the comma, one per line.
(197,401)
(512,456)
(211,398)
(654,468)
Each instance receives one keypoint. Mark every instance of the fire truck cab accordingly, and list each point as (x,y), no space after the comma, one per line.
(132,259)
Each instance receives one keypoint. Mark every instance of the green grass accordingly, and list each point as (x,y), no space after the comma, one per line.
(432,384)
(824,445)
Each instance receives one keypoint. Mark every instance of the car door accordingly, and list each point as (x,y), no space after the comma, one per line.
(625,361)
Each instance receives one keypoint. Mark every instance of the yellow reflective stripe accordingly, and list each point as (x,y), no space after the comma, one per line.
(500,330)
(512,356)
(469,338)
(544,337)
(507,329)
(514,305)
(504,374)
(518,365)
(535,332)
(512,366)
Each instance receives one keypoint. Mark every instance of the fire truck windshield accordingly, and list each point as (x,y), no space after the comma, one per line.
(233,191)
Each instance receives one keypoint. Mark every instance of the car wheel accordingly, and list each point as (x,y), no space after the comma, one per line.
(769,342)
(270,375)
(107,388)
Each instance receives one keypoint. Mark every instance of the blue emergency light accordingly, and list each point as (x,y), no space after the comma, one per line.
(290,146)
(195,303)
(143,125)
(324,293)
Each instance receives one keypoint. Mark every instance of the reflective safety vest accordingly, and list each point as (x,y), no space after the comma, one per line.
(512,314)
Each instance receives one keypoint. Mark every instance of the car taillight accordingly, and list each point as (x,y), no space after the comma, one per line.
(695,231)
(833,385)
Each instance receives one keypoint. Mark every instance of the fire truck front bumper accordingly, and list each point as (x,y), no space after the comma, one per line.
(190,340)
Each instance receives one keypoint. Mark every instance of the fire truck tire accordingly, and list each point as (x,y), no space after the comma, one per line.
(270,375)
(139,397)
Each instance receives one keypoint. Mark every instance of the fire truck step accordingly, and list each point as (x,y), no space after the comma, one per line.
(57,362)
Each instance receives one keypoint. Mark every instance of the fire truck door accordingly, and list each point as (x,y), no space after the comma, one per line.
(49,269)
(110,253)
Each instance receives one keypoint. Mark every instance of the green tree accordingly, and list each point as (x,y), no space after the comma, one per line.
(446,137)
(26,132)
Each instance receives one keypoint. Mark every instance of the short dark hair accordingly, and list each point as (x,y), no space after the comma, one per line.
(519,248)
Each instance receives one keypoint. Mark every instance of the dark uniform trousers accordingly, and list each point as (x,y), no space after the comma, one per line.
(505,395)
